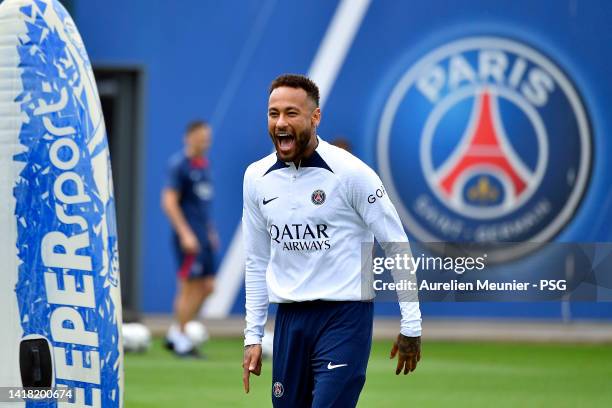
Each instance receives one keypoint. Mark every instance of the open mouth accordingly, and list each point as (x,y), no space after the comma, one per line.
(285,141)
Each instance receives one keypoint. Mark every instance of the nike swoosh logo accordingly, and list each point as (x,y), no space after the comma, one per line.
(267,201)
(331,366)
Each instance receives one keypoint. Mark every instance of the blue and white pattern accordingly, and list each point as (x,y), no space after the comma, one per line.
(66,232)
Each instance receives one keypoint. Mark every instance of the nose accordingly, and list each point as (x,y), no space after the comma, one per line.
(281,123)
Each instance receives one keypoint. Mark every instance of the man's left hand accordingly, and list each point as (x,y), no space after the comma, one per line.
(409,355)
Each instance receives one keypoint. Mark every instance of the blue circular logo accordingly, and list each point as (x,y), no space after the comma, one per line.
(484,140)
(278,390)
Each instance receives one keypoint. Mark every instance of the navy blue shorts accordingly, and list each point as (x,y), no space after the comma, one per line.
(321,352)
(194,266)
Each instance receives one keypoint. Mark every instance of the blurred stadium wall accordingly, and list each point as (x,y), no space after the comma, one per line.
(162,64)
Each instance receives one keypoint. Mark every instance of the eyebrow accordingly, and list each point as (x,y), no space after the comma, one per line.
(290,107)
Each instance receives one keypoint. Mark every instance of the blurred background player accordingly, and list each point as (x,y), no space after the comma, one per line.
(186,200)
(342,143)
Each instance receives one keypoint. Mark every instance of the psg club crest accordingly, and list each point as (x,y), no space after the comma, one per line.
(485,140)
(278,390)
(318,197)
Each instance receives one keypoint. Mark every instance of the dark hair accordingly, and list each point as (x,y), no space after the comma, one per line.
(195,124)
(297,81)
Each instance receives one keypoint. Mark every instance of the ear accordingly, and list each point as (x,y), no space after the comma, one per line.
(315,118)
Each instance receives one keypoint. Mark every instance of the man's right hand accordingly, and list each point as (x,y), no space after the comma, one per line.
(189,243)
(251,364)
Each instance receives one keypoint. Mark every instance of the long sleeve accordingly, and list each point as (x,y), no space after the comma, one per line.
(257,249)
(369,198)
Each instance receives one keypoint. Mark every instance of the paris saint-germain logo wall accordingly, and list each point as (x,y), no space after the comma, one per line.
(485,139)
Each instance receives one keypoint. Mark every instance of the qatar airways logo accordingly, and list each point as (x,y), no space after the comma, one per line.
(301,237)
(485,140)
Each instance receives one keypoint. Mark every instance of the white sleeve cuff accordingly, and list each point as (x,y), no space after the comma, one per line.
(252,339)
(411,332)
(411,319)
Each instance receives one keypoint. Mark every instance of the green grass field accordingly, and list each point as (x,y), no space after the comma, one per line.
(449,375)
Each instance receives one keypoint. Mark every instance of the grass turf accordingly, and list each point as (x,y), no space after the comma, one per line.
(449,375)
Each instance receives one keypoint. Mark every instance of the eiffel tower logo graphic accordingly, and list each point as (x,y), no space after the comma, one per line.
(485,150)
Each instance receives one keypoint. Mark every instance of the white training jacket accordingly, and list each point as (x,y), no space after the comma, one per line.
(304,228)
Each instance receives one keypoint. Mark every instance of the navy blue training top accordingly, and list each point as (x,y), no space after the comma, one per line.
(191,179)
